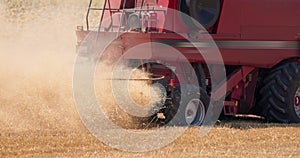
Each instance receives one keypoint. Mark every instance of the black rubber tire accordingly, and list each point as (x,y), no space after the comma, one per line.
(177,114)
(200,75)
(277,93)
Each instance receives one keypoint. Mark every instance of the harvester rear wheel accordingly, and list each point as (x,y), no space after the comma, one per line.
(280,94)
(191,109)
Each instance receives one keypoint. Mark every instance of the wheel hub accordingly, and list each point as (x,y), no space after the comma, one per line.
(195,112)
(190,112)
(297,102)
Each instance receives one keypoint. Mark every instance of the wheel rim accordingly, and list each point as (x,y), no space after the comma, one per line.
(297,102)
(194,112)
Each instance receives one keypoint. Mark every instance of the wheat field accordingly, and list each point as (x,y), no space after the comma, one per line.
(38,116)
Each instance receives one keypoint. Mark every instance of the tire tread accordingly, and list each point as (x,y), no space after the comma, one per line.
(273,94)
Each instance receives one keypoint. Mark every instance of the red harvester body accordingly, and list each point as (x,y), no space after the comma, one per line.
(258,41)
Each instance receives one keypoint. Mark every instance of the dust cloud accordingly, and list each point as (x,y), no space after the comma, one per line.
(139,90)
(37,53)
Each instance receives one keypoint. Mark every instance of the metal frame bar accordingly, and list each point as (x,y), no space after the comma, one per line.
(87,15)
(232,81)
(101,19)
(122,17)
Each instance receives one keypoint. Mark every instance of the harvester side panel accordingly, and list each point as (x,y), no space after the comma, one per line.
(260,20)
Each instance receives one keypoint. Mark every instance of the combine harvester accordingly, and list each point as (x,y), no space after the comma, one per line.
(258,41)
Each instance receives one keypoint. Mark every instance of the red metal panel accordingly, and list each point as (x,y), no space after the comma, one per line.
(260,20)
(229,22)
(270,19)
(257,58)
(270,13)
(251,56)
